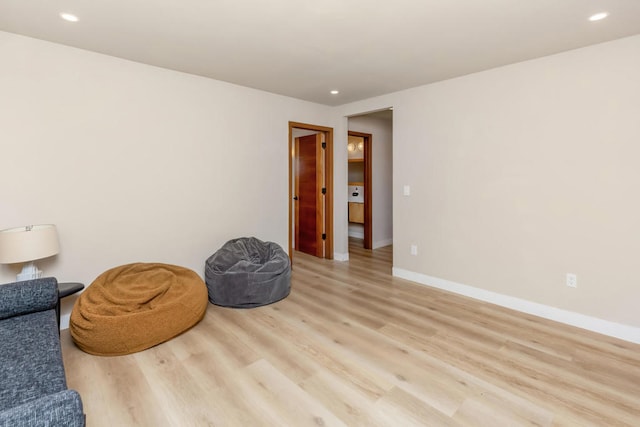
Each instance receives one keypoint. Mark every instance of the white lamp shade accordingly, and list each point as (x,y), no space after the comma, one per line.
(24,244)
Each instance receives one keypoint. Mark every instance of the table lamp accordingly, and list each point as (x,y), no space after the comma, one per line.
(27,244)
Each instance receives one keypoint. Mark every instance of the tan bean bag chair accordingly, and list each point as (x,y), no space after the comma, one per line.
(137,306)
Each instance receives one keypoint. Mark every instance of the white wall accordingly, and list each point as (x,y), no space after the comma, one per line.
(137,163)
(520,175)
(382,178)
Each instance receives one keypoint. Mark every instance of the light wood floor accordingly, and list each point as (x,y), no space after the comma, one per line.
(353,346)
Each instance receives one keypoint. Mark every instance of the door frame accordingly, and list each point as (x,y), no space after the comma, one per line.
(368,226)
(328,179)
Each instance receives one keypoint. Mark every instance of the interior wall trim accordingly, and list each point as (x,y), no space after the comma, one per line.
(340,256)
(356,234)
(594,324)
(382,243)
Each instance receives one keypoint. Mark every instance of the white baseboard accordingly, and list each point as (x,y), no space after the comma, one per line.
(382,243)
(356,234)
(340,257)
(605,327)
(64,321)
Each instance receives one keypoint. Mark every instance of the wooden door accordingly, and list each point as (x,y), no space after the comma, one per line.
(309,212)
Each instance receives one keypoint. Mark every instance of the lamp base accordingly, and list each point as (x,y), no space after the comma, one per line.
(29,272)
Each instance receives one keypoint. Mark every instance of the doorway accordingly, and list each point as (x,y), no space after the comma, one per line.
(311,189)
(361,142)
(376,130)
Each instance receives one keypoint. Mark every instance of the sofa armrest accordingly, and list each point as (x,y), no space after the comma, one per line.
(28,296)
(59,409)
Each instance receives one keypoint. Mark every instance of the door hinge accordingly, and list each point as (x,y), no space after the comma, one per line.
(324,236)
(324,145)
(324,191)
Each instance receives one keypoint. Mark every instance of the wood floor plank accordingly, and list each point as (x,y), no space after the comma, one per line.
(292,405)
(179,394)
(348,402)
(352,345)
(407,409)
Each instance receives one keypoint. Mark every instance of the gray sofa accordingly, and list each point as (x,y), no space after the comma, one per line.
(33,387)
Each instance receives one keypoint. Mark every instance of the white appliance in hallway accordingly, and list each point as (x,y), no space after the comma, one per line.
(356,194)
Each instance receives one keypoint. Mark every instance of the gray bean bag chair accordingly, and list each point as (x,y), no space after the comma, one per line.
(248,272)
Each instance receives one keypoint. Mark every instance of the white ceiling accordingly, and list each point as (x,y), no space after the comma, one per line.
(304,48)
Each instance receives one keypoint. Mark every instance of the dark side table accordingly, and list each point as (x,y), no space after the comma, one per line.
(64,290)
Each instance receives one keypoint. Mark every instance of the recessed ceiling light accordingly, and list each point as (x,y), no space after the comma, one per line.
(69,17)
(335,92)
(598,16)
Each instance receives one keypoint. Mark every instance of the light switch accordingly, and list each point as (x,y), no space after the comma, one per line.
(407,190)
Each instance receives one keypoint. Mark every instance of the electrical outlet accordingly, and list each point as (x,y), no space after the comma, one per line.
(414,249)
(572,280)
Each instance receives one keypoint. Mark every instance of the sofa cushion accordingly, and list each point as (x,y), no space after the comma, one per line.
(63,408)
(28,296)
(30,358)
